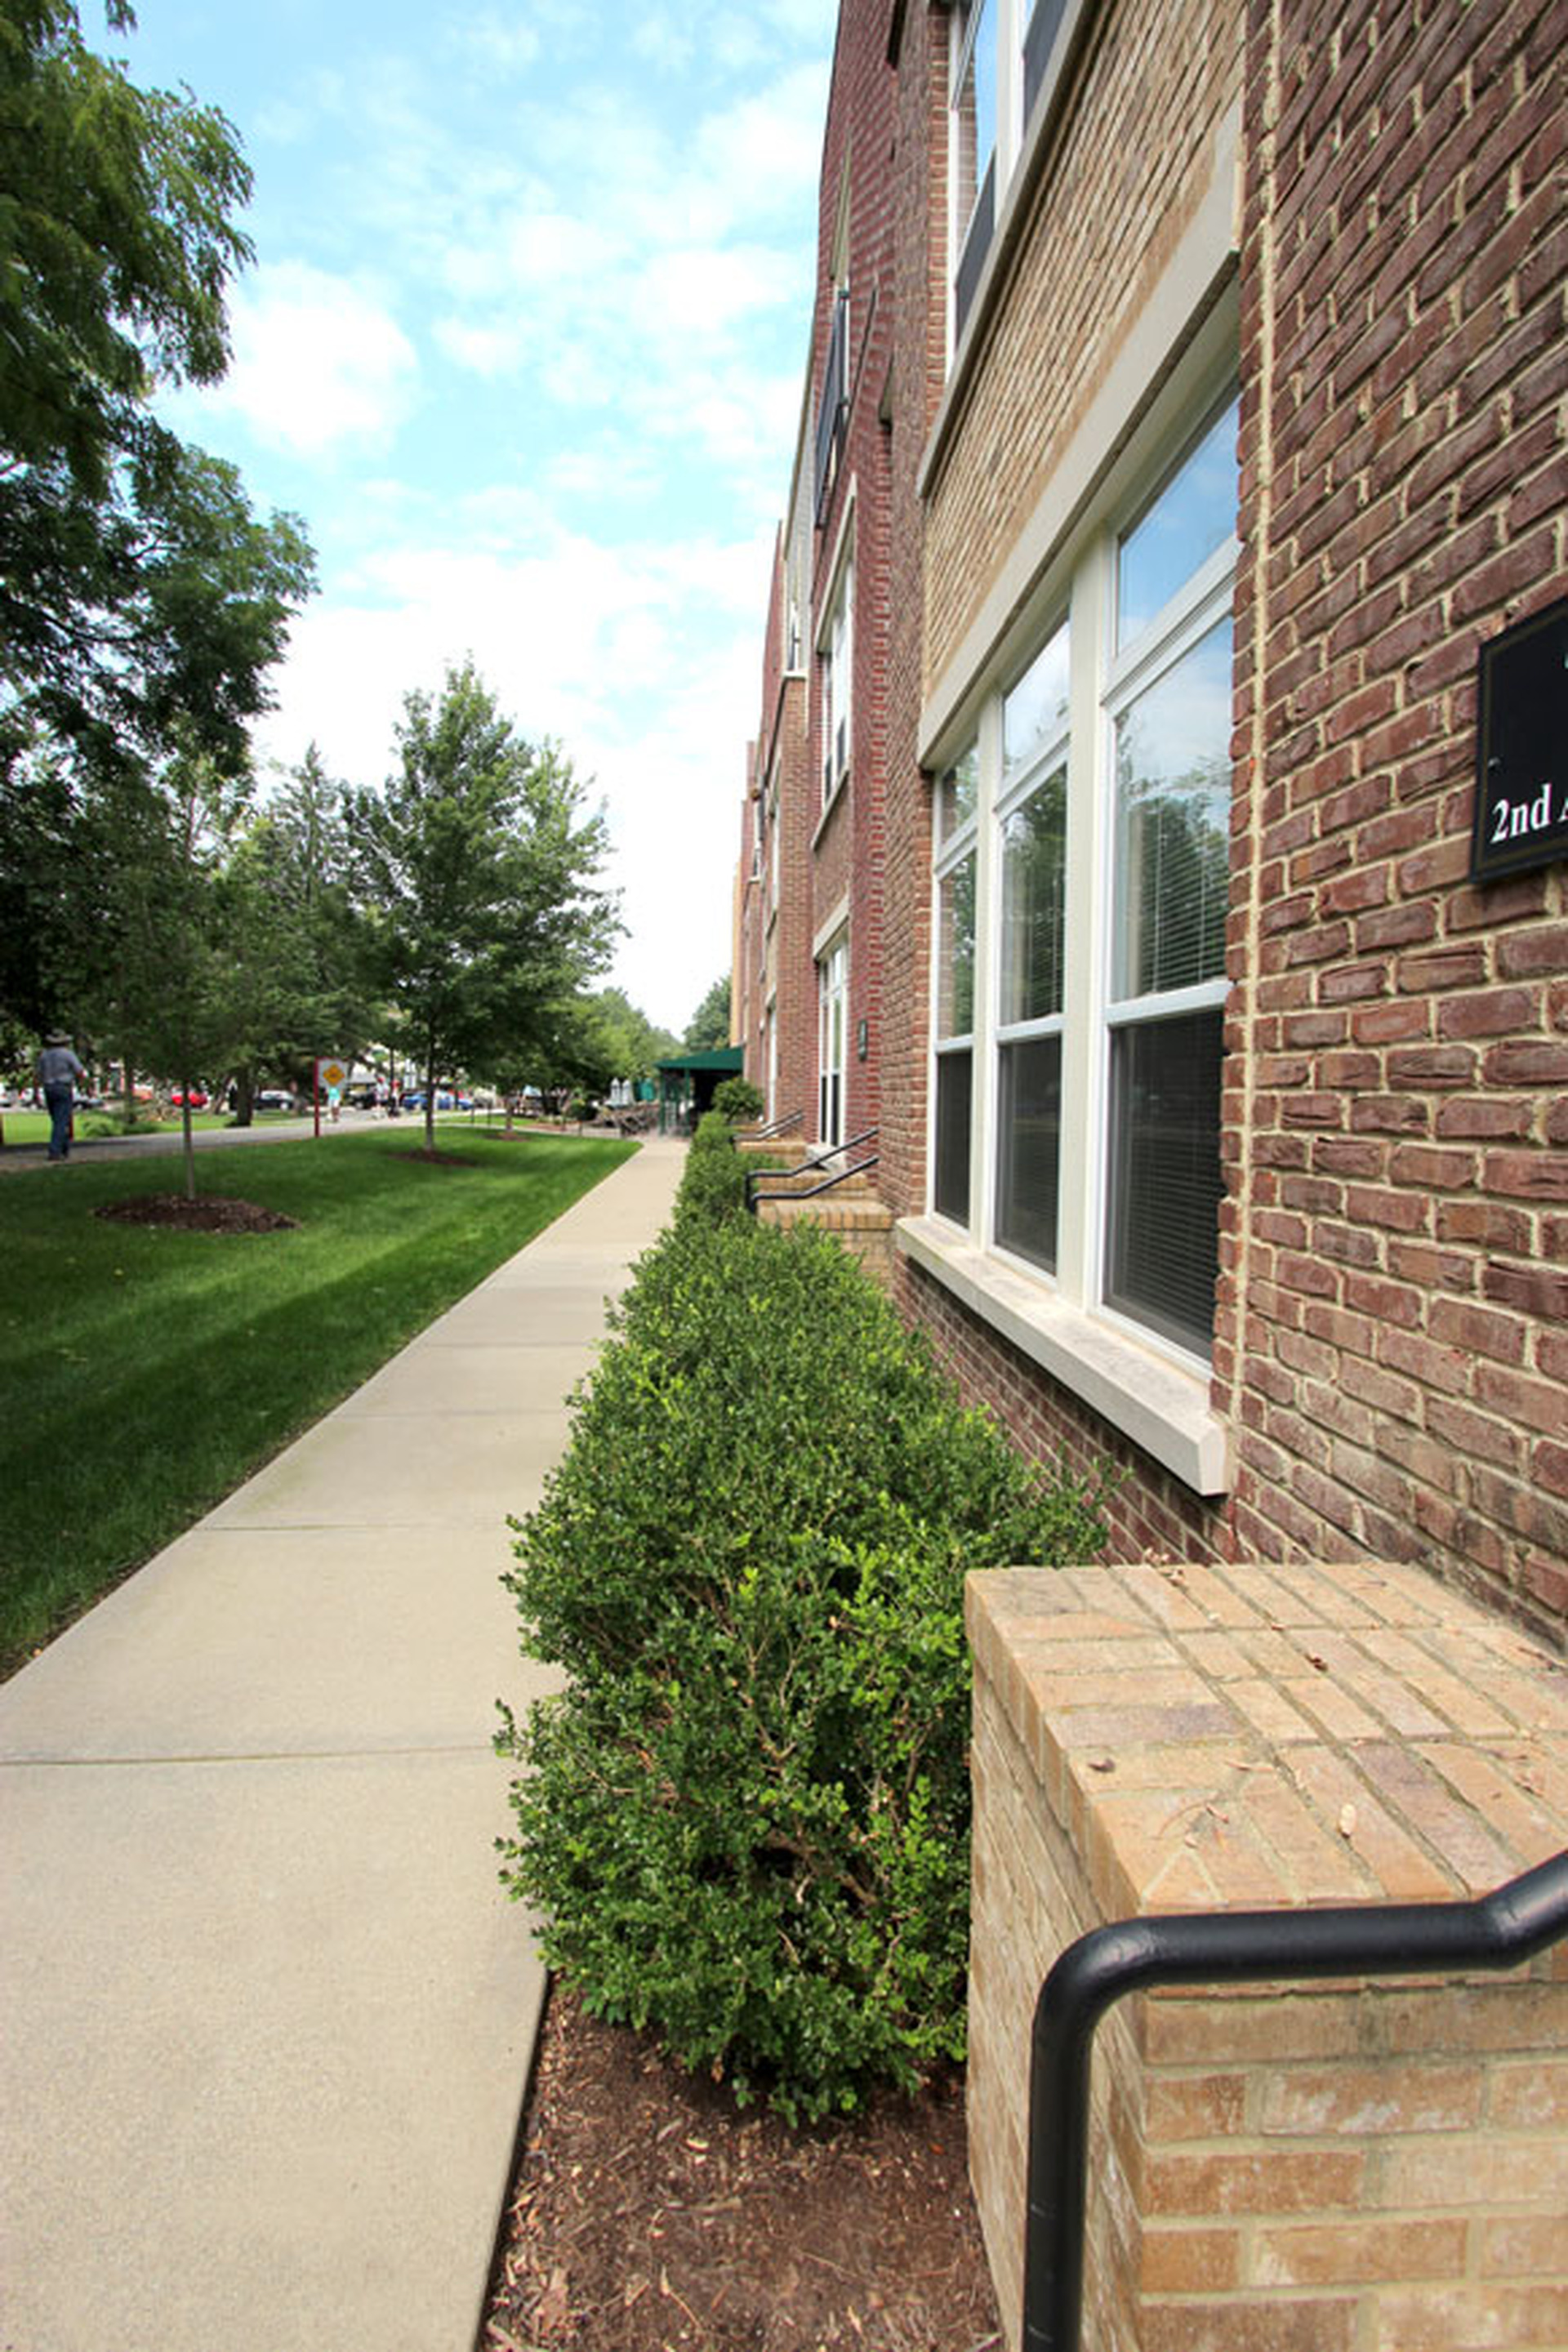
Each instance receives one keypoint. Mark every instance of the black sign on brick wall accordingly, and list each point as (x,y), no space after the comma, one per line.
(1521,756)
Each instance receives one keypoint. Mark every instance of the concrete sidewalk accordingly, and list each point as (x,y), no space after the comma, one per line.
(266,2016)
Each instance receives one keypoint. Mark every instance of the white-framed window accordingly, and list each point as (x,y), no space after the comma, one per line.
(1032,946)
(1081,876)
(1000,55)
(838,655)
(773,845)
(956,878)
(833,983)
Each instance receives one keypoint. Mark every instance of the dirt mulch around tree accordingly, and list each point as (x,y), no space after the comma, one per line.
(649,2215)
(211,1212)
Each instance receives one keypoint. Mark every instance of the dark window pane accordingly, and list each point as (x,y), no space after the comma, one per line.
(1028,1148)
(1037,43)
(976,245)
(954,1090)
(1165,1176)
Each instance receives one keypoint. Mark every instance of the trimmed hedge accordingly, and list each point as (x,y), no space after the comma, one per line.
(714,1182)
(746,1819)
(738,1100)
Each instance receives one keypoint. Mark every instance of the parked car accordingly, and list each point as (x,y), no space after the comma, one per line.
(273,1099)
(195,1098)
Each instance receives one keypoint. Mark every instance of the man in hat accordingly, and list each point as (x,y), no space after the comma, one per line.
(58,1071)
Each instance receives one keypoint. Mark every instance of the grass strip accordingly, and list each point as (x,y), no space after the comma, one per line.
(145,1372)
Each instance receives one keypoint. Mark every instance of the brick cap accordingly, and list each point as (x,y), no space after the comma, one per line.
(1244,1737)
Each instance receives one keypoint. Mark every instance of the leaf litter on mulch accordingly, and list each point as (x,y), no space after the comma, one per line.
(650,2214)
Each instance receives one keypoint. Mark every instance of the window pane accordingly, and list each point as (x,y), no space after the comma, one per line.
(974,112)
(1165,1175)
(1173,823)
(954,1092)
(958,794)
(955,951)
(1034,851)
(1194,514)
(1043,23)
(1028,1148)
(1035,712)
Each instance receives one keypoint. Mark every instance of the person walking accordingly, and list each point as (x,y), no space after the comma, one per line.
(58,1071)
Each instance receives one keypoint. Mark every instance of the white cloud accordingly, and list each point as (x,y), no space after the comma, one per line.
(498,43)
(604,241)
(317,361)
(641,660)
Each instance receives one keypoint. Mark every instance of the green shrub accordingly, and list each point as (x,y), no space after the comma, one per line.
(714,1182)
(111,1123)
(746,1819)
(738,1100)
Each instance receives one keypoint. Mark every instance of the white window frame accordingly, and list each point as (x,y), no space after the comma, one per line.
(836,653)
(949,852)
(1014,790)
(1008,33)
(832,991)
(1145,1381)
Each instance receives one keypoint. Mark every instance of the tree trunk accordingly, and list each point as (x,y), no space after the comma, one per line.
(189,1142)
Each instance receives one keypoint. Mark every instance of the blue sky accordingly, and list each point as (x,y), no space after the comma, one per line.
(524,345)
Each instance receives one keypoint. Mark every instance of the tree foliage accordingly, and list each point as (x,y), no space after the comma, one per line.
(141,603)
(297,941)
(708,1031)
(481,868)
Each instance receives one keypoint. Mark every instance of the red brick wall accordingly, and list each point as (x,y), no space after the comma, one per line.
(859,134)
(796,996)
(778,930)
(919,329)
(1395,1310)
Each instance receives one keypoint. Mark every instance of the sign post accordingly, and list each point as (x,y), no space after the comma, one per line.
(328,1072)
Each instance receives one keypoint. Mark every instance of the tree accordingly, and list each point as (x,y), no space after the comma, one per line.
(165,988)
(295,939)
(610,1038)
(709,1027)
(141,602)
(479,869)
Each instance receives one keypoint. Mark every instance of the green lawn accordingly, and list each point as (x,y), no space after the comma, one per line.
(32,1126)
(145,1372)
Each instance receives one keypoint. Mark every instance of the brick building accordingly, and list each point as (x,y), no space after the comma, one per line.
(1184,412)
(1193,381)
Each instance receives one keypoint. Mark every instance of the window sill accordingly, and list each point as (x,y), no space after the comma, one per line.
(1148,1397)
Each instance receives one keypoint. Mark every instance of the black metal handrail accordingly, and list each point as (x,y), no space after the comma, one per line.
(793,1190)
(776,1127)
(1497,1931)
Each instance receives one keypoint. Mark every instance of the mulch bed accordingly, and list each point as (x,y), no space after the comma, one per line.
(211,1212)
(648,2214)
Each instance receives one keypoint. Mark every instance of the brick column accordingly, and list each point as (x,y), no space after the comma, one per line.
(1348,2166)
